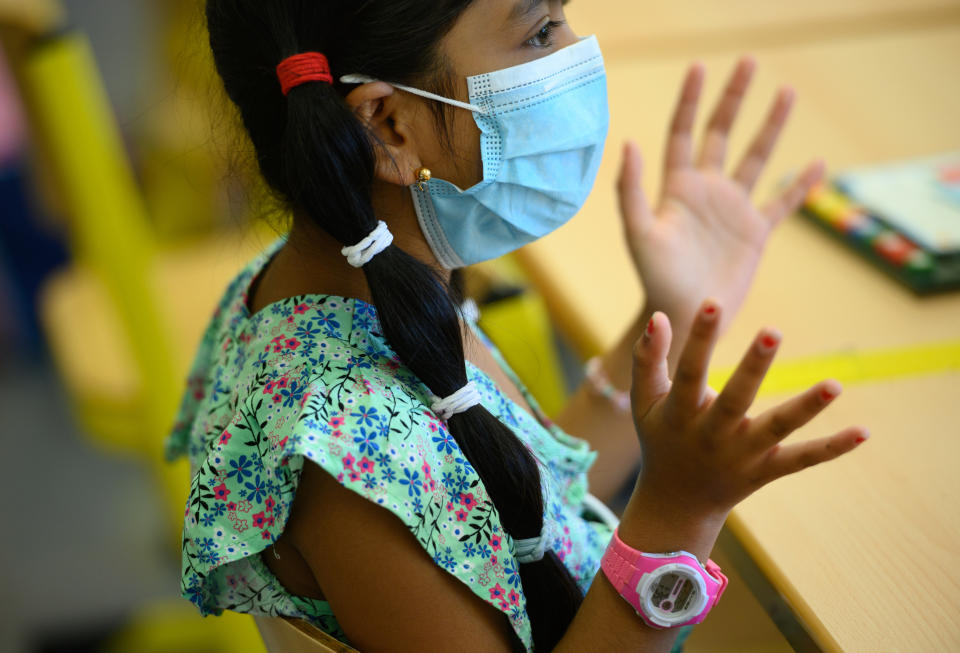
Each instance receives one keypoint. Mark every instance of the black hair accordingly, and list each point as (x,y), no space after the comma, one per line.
(318,156)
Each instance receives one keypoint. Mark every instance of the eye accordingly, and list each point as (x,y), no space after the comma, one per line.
(544,38)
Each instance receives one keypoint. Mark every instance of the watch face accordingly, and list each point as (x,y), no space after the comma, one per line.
(672,594)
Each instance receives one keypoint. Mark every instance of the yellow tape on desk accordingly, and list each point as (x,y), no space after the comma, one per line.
(853,367)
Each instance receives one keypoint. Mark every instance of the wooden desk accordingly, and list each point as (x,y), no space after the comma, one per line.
(863,549)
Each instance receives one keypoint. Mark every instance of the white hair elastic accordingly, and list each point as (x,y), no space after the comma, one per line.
(366,79)
(360,254)
(532,548)
(460,401)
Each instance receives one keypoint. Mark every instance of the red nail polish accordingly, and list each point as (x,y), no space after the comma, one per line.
(860,439)
(826,395)
(769,342)
(650,327)
(710,310)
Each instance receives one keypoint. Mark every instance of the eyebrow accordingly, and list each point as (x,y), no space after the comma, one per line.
(523,9)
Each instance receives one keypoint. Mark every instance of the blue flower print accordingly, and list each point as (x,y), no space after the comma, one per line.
(366,415)
(412,481)
(445,442)
(241,468)
(257,491)
(207,519)
(366,441)
(329,320)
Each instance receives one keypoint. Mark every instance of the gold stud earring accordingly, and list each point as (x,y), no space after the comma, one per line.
(423,176)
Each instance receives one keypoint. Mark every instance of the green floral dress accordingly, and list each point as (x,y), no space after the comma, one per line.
(312,378)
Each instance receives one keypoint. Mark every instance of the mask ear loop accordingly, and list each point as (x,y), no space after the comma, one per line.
(364,79)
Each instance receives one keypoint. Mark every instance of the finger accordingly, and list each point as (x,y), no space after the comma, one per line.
(714,149)
(756,157)
(680,141)
(690,381)
(730,406)
(790,199)
(634,207)
(780,421)
(651,377)
(797,457)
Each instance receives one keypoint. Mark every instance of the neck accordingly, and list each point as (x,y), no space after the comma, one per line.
(311,262)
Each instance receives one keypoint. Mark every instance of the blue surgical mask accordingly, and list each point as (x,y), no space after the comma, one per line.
(543,127)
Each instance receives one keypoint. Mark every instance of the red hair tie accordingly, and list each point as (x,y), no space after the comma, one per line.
(302,68)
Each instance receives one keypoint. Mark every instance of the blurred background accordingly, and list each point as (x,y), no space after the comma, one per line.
(127,201)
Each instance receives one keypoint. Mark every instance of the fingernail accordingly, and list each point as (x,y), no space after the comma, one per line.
(862,438)
(650,328)
(826,395)
(710,310)
(769,341)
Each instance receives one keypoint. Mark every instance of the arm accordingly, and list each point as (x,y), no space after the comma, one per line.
(703,455)
(704,239)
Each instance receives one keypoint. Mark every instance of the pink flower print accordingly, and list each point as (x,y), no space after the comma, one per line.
(461,515)
(259,520)
(348,461)
(495,542)
(266,535)
(232,581)
(354,475)
(366,465)
(277,398)
(504,605)
(290,320)
(270,387)
(367,388)
(225,437)
(245,338)
(449,506)
(232,507)
(241,525)
(292,343)
(244,506)
(283,381)
(467,501)
(300,309)
(426,469)
(513,597)
(278,343)
(336,421)
(271,520)
(283,442)
(497,593)
(493,561)
(221,492)
(269,503)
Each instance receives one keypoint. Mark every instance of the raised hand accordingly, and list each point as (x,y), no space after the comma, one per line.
(705,236)
(702,453)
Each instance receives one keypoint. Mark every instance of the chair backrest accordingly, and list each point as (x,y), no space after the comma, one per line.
(283,635)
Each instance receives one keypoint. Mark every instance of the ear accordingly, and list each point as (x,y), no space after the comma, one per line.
(378,105)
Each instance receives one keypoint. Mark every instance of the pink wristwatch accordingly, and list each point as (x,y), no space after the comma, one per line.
(667,590)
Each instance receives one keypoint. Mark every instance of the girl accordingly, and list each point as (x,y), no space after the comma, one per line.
(361,456)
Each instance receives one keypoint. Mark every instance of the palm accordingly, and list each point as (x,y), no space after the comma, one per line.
(706,236)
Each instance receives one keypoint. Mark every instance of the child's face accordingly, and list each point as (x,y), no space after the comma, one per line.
(490,35)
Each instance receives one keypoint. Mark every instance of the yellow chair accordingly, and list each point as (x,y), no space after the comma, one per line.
(282,635)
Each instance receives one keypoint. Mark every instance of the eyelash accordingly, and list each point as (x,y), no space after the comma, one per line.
(543,39)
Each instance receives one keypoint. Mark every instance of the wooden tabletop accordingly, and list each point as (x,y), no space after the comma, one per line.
(863,548)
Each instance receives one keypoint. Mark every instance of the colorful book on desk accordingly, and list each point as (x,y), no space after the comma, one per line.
(904,217)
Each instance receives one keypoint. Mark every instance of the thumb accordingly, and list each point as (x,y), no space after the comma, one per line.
(651,379)
(634,207)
